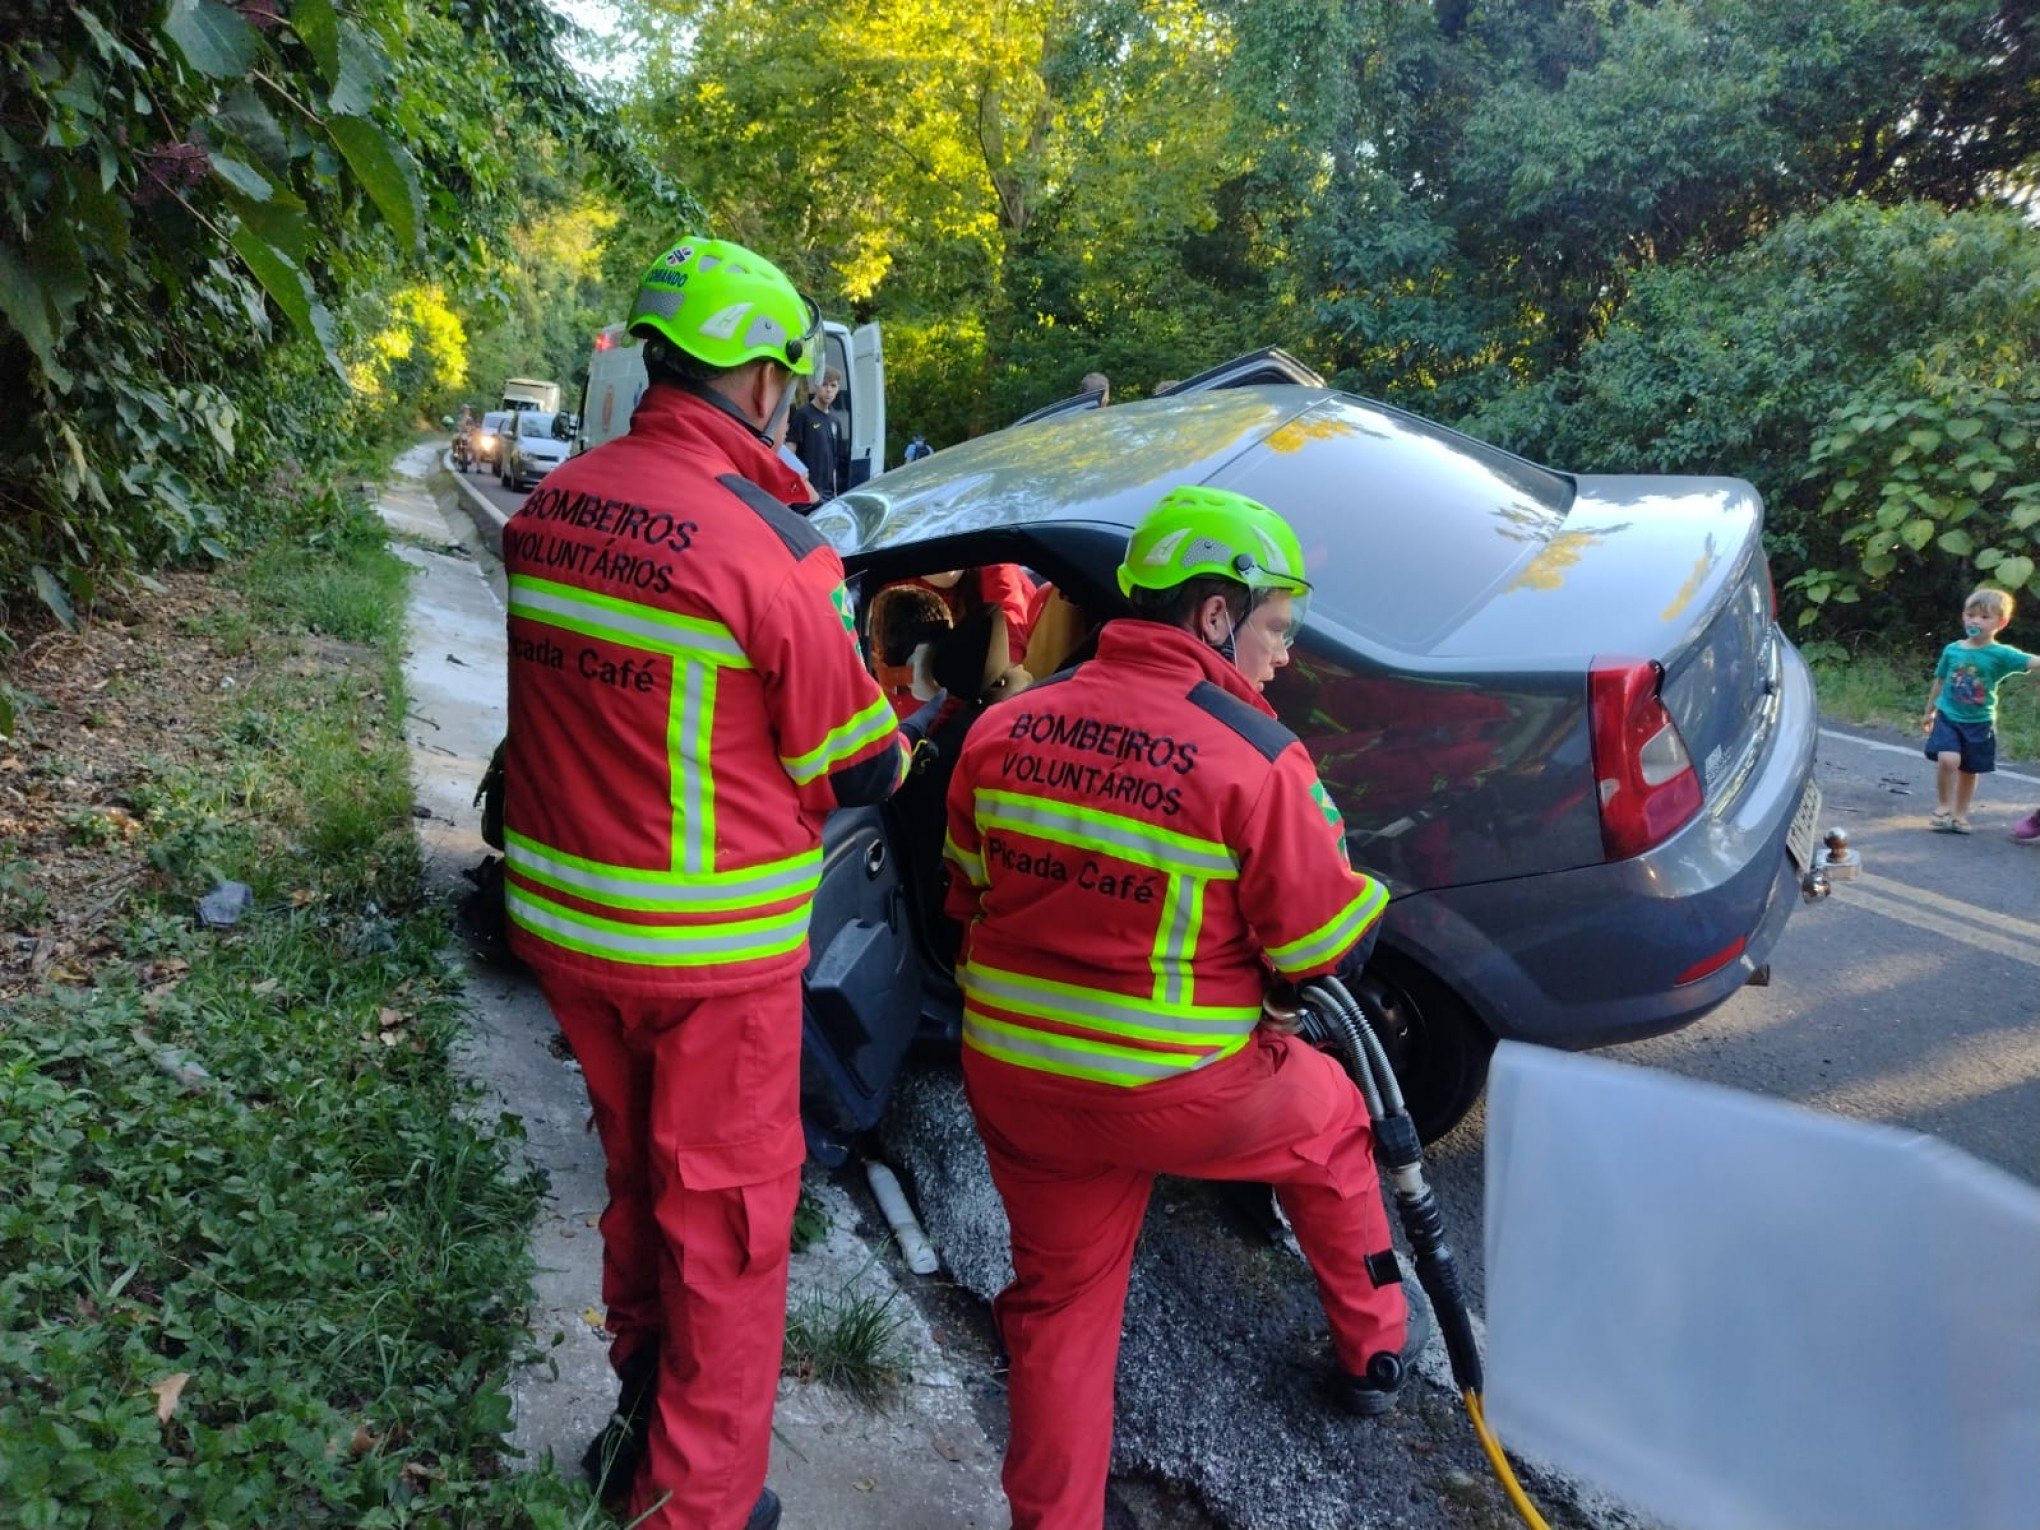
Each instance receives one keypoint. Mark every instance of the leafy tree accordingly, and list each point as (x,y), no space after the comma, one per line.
(196,200)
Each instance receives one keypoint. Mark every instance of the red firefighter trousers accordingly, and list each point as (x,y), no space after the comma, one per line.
(697,1103)
(1074,1164)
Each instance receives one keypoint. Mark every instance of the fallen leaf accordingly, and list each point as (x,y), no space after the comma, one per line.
(264,988)
(363,1441)
(945,1450)
(391,1038)
(302,896)
(593,1318)
(866,1484)
(387,1018)
(167,1391)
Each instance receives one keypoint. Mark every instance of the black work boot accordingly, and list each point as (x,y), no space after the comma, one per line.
(764,1513)
(612,1457)
(1373,1393)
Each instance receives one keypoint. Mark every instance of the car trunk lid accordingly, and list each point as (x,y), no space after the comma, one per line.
(1665,569)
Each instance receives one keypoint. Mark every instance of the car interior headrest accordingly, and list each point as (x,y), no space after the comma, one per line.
(975,661)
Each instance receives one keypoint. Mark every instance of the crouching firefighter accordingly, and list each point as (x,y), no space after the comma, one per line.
(687,703)
(1137,849)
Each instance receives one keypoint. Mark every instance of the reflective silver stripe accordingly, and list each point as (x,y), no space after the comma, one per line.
(1088,828)
(1041,1051)
(671,943)
(1179,923)
(646,630)
(1093,1007)
(663,890)
(875,722)
(1331,938)
(691,771)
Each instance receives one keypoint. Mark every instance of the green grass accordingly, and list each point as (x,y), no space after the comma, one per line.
(847,1339)
(1889,690)
(260,1263)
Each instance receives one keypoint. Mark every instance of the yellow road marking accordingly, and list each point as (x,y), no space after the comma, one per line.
(2010,924)
(1877,900)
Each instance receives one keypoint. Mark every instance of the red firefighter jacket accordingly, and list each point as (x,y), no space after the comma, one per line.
(687,703)
(1127,885)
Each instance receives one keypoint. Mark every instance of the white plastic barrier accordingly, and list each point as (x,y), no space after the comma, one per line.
(1737,1314)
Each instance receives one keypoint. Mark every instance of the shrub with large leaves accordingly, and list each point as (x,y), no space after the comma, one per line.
(1839,364)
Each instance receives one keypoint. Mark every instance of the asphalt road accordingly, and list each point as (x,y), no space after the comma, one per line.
(484,479)
(1910,997)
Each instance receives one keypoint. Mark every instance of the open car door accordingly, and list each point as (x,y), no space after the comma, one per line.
(867,407)
(861,995)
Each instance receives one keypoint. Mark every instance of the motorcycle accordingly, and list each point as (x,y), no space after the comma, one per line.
(463,448)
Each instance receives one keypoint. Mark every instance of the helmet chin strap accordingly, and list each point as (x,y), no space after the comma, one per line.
(780,412)
(1226,648)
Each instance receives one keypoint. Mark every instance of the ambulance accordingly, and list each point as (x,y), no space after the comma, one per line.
(616,381)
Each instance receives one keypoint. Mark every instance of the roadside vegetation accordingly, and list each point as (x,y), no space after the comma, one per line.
(261,1256)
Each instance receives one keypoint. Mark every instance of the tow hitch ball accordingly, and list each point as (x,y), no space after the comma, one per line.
(1836,863)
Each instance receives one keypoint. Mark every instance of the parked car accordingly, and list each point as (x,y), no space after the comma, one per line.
(1555,710)
(538,441)
(489,437)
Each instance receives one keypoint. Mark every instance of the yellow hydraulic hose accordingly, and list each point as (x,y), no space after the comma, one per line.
(1503,1474)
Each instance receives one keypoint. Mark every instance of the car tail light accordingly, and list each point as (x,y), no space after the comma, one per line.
(1649,789)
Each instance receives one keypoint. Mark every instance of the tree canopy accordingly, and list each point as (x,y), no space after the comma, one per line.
(1720,235)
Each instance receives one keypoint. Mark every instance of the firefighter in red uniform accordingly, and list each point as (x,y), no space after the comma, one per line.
(1137,848)
(687,703)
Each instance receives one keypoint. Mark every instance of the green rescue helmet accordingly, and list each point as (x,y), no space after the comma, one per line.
(724,305)
(1195,532)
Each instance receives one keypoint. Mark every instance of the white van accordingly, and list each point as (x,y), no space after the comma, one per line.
(616,381)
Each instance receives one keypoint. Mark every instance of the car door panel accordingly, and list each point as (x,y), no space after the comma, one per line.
(863,983)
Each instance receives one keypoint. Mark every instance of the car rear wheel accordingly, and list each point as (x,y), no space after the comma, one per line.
(1438,1047)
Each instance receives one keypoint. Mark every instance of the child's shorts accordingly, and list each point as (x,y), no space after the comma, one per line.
(1976,741)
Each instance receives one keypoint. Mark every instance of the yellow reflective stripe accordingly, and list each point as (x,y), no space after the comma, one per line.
(624,621)
(631,887)
(1113,834)
(690,726)
(1097,1009)
(972,866)
(1331,938)
(860,732)
(1098,1061)
(648,945)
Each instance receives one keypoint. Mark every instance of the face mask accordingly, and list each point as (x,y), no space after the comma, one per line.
(1974,629)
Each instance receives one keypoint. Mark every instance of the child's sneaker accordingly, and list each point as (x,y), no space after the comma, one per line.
(1941,822)
(2027,830)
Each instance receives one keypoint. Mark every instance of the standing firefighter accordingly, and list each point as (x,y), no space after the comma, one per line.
(1138,848)
(687,703)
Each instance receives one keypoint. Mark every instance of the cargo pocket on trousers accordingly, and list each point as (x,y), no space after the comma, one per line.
(743,1231)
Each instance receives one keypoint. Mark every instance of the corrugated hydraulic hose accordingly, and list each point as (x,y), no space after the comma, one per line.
(1335,1020)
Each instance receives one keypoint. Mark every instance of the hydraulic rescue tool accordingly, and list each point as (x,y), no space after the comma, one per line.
(1334,1020)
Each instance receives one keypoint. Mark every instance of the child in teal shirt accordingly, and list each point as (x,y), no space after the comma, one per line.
(1961,716)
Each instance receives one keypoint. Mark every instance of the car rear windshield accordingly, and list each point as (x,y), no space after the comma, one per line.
(535,423)
(1405,524)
